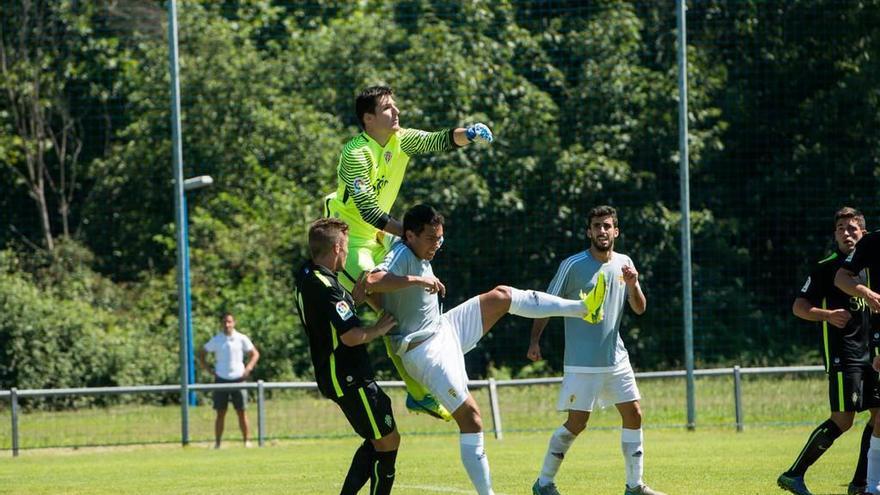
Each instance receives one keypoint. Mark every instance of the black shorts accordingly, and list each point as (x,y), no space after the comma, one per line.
(222,397)
(853,389)
(368,410)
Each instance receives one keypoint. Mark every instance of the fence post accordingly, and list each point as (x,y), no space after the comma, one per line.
(261,413)
(13,397)
(737,397)
(496,411)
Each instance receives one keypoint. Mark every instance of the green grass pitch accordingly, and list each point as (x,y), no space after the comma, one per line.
(717,461)
(780,413)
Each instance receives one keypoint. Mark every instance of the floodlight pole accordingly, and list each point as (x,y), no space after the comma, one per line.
(192,184)
(684,177)
(180,221)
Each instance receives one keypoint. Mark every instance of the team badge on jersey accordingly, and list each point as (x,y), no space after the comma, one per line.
(388,420)
(344,310)
(359,186)
(387,156)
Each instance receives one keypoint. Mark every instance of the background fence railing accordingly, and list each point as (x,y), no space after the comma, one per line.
(315,416)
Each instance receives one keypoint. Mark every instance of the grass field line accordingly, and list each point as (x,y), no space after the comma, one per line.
(438,489)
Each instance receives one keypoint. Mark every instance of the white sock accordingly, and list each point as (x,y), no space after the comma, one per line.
(559,444)
(631,442)
(874,465)
(535,304)
(473,456)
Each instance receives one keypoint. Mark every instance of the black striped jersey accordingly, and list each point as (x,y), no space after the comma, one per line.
(849,346)
(327,311)
(369,176)
(865,260)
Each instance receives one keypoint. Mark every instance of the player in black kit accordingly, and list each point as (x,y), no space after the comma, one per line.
(847,353)
(339,356)
(855,277)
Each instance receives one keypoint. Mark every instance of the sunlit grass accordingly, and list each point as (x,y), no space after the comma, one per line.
(299,414)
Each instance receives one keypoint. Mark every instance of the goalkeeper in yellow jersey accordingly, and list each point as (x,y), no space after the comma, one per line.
(369,175)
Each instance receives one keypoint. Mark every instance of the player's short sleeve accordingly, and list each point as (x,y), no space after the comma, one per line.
(339,310)
(212,345)
(864,253)
(815,288)
(246,344)
(558,285)
(398,261)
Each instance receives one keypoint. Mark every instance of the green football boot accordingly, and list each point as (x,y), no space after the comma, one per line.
(418,398)
(594,301)
(794,484)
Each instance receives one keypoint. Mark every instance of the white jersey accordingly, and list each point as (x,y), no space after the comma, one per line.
(593,347)
(229,352)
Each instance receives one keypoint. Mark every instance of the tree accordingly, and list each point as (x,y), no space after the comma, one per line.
(33,75)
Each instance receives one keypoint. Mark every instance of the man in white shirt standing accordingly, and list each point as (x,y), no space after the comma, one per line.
(230,348)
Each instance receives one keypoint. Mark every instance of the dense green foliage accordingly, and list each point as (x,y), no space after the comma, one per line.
(783,116)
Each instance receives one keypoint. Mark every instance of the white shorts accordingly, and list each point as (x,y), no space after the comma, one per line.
(584,391)
(438,364)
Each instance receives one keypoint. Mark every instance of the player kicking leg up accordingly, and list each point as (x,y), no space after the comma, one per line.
(432,345)
(363,256)
(438,361)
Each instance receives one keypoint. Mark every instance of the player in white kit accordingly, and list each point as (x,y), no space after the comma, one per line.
(596,364)
(432,345)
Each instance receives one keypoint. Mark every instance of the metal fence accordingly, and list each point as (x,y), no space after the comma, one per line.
(491,386)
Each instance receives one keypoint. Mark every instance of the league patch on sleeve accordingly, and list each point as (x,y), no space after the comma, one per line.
(344,310)
(359,186)
(806,285)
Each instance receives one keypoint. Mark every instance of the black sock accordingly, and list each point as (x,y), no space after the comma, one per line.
(383,472)
(821,438)
(860,477)
(360,470)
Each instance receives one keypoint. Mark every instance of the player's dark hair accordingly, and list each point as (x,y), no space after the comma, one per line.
(602,211)
(323,235)
(846,213)
(368,99)
(420,215)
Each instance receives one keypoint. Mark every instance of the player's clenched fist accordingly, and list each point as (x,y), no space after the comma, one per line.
(479,132)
